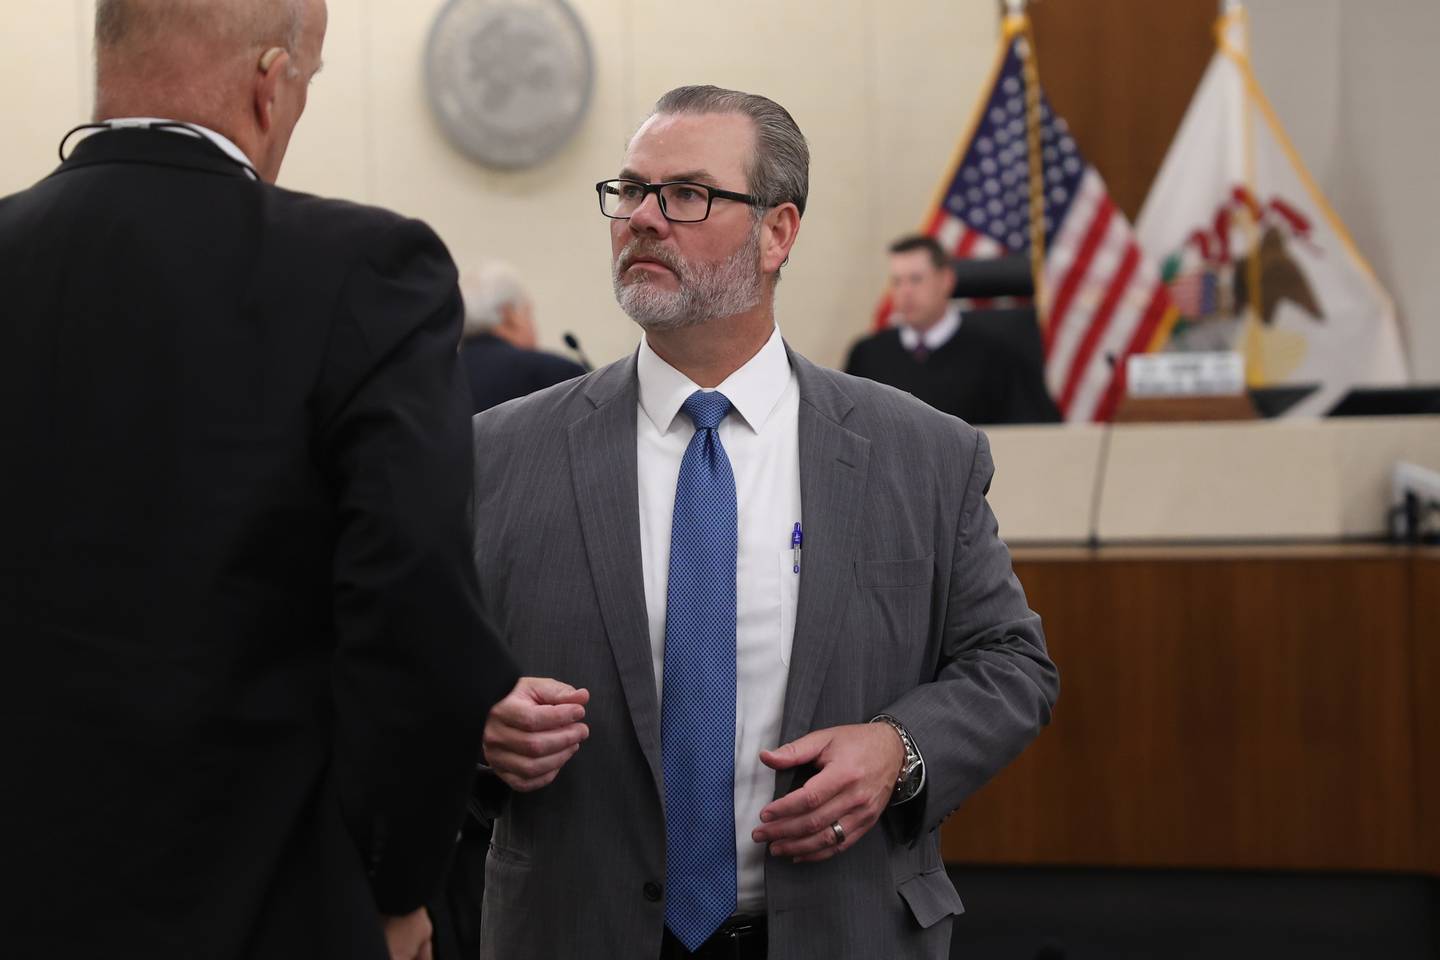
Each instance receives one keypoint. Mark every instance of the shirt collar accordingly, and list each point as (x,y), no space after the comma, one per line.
(753,390)
(189,129)
(937,336)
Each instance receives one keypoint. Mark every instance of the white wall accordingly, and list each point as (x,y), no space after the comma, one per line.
(1389,192)
(1296,56)
(1354,81)
(882,99)
(882,89)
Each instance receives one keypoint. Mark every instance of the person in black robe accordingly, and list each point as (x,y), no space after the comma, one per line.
(973,366)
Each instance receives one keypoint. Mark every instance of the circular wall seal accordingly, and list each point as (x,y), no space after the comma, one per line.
(508,80)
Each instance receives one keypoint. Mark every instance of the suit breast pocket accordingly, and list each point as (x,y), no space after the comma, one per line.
(896,573)
(895,595)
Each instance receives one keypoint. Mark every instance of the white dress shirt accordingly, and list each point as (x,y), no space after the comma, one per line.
(935,337)
(226,145)
(761,438)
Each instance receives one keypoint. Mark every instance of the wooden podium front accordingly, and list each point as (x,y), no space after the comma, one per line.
(1274,708)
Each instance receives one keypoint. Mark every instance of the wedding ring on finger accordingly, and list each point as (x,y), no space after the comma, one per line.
(839,832)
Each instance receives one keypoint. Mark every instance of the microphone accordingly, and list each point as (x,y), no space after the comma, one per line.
(574,344)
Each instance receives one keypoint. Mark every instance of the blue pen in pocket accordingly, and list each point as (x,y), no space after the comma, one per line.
(797,538)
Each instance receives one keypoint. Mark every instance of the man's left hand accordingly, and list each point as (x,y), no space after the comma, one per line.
(408,937)
(858,763)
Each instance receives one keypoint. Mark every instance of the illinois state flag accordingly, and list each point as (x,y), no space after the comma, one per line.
(1256,259)
(1020,185)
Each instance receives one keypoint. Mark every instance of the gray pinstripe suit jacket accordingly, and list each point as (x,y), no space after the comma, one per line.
(908,606)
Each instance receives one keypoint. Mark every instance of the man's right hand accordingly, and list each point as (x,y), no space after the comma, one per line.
(534,731)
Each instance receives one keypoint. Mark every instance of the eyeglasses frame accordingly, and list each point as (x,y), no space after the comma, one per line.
(713,194)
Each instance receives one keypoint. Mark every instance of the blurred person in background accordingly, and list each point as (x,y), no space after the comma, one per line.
(932,352)
(499,350)
(246,671)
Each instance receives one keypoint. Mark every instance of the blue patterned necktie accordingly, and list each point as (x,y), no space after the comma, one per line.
(697,716)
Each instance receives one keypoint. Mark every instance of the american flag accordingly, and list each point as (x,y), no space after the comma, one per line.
(1197,293)
(1105,299)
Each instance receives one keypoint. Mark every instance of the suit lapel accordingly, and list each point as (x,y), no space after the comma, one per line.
(833,465)
(603,469)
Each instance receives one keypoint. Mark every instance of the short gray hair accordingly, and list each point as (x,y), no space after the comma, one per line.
(780,170)
(487,290)
(240,23)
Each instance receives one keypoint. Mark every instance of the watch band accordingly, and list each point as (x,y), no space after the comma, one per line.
(912,770)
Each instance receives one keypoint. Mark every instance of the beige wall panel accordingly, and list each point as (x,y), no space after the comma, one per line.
(1365,451)
(41,47)
(1287,480)
(1327,479)
(1044,482)
(85,58)
(1389,196)
(1296,56)
(331,151)
(1252,481)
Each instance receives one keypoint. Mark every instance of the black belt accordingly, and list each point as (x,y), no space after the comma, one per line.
(739,938)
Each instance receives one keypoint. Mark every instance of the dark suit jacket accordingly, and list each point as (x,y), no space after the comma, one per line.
(975,375)
(245,669)
(500,371)
(907,605)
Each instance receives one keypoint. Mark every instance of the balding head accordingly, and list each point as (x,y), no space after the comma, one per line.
(143,25)
(237,66)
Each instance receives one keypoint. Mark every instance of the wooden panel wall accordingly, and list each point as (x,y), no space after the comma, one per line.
(1121,73)
(1425,647)
(1262,710)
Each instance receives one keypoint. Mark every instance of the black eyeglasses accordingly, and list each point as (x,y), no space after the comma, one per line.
(680,200)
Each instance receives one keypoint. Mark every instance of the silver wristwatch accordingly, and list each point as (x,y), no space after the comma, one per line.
(912,770)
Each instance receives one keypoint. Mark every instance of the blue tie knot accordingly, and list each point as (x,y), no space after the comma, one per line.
(706,408)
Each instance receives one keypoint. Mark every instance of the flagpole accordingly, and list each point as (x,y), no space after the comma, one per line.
(1254,344)
(1254,333)
(1018,22)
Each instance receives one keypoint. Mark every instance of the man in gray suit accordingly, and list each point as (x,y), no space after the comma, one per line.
(773,637)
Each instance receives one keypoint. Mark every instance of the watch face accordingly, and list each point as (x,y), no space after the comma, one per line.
(910,782)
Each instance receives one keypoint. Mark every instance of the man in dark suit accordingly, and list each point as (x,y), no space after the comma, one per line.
(772,637)
(499,351)
(245,668)
(939,356)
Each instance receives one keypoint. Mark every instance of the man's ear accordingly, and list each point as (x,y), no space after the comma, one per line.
(273,64)
(777,235)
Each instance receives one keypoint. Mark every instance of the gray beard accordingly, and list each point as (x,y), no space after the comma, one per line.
(707,291)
